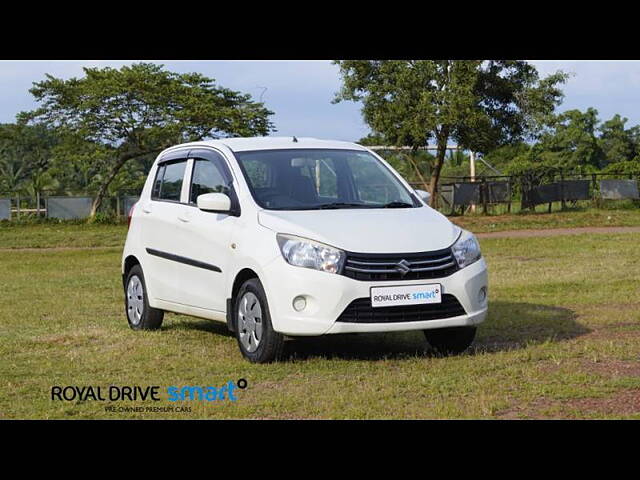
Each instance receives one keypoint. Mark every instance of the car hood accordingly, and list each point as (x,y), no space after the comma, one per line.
(389,230)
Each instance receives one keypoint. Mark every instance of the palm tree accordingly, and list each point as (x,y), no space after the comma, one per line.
(11,171)
(39,181)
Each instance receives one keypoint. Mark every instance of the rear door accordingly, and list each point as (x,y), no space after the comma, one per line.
(209,234)
(161,233)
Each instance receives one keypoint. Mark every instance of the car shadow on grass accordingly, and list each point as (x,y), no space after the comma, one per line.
(180,322)
(509,326)
(514,325)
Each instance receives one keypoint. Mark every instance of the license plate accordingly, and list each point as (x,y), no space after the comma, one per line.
(406,295)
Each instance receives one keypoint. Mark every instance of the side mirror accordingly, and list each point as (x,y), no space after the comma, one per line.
(214,202)
(424,195)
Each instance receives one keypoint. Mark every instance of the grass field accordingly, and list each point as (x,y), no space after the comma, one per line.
(589,217)
(562,340)
(61,235)
(74,234)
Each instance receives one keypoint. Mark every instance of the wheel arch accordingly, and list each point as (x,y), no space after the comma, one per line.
(129,262)
(241,277)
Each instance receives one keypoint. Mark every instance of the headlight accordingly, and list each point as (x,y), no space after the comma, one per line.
(302,252)
(466,249)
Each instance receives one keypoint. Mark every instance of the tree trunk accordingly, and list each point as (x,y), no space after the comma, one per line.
(435,174)
(417,170)
(113,172)
(105,185)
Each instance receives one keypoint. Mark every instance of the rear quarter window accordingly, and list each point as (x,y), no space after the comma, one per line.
(168,183)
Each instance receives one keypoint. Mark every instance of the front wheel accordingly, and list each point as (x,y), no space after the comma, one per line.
(258,341)
(453,340)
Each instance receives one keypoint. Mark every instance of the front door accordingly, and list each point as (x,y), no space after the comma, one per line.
(209,234)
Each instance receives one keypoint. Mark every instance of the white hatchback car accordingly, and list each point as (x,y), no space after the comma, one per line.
(288,237)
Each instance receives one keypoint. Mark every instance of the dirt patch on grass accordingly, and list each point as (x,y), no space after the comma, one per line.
(552,232)
(93,336)
(626,402)
(524,259)
(618,404)
(266,386)
(613,308)
(612,368)
(285,416)
(615,330)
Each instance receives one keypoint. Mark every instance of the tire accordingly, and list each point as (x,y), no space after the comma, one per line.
(258,341)
(140,315)
(450,341)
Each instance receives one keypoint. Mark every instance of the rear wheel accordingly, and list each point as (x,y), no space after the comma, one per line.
(450,341)
(258,341)
(139,314)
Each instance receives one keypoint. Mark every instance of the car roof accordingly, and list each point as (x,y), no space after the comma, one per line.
(274,143)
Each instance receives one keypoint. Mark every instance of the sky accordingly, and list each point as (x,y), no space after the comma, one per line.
(300,92)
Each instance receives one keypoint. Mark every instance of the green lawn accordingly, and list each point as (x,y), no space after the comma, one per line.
(75,234)
(60,235)
(562,340)
(589,217)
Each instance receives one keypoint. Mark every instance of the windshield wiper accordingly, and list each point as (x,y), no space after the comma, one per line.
(339,205)
(336,205)
(397,205)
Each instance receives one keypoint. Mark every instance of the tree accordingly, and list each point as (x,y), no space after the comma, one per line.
(80,165)
(480,104)
(140,110)
(502,157)
(24,151)
(571,142)
(574,140)
(372,140)
(11,172)
(616,142)
(457,164)
(416,163)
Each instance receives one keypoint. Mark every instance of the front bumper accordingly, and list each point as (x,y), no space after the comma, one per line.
(327,295)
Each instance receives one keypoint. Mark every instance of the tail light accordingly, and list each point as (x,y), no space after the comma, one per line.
(130,214)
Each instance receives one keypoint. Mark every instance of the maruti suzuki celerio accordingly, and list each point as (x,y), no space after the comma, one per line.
(284,237)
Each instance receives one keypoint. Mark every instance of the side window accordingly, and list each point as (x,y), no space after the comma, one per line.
(169,181)
(207,178)
(156,185)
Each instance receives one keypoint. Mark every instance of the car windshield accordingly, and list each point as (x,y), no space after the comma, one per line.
(315,179)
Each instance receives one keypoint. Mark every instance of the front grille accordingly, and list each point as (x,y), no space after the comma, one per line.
(361,311)
(400,266)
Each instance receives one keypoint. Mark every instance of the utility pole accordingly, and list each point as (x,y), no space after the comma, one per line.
(472,166)
(472,173)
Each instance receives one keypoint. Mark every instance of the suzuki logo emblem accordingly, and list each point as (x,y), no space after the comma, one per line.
(403,267)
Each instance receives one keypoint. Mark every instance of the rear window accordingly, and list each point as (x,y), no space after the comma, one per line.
(168,184)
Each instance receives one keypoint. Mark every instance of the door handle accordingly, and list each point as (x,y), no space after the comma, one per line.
(146,208)
(184,217)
